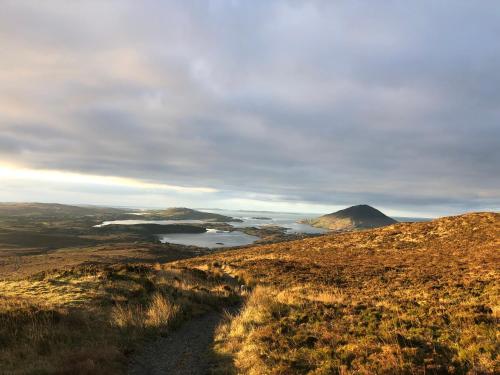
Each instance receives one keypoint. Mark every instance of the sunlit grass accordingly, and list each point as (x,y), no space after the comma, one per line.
(410,298)
(89,320)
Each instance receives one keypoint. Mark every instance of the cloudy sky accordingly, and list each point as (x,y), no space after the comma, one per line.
(276,105)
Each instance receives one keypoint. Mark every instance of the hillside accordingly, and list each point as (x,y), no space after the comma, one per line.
(407,298)
(355,217)
(410,298)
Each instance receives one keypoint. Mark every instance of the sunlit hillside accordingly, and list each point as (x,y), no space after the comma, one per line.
(408,298)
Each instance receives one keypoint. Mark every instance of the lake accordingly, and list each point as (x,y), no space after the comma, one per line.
(217,238)
(134,222)
(212,239)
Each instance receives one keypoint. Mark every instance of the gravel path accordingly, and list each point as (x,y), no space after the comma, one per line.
(183,352)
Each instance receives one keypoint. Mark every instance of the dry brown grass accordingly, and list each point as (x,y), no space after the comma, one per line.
(17,264)
(161,311)
(89,320)
(236,336)
(409,298)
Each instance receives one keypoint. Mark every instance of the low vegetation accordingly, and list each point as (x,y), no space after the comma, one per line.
(408,298)
(89,320)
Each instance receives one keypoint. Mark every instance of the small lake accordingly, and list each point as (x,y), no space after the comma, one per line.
(217,238)
(211,239)
(134,222)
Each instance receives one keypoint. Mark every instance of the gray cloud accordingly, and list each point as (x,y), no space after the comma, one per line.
(333,103)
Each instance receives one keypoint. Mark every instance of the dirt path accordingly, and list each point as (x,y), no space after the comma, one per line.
(183,352)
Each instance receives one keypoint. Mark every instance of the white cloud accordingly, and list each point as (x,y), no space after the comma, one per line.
(324,103)
(34,176)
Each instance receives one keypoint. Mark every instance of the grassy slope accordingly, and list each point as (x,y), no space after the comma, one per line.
(89,320)
(408,298)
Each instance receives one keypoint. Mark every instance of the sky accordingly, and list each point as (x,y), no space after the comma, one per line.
(304,106)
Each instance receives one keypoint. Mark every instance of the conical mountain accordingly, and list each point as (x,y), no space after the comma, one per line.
(356,217)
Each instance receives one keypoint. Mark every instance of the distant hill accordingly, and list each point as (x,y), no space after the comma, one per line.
(33,209)
(356,217)
(39,211)
(183,213)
